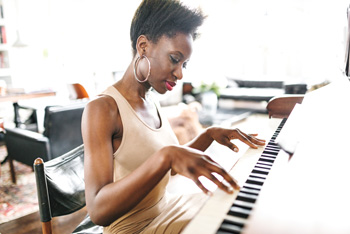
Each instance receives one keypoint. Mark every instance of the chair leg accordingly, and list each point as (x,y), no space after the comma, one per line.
(47,227)
(12,170)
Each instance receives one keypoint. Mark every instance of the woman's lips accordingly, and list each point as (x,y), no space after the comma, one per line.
(170,85)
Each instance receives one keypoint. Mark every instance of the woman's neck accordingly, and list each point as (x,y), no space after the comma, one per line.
(130,87)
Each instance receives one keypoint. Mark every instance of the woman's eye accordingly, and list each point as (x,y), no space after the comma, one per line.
(174,60)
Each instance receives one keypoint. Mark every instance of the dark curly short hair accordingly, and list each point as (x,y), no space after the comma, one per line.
(155,18)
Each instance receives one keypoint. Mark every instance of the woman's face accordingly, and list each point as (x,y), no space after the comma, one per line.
(168,58)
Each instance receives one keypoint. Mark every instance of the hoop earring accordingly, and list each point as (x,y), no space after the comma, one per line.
(149,69)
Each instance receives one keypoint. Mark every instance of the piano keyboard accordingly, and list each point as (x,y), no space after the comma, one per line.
(243,205)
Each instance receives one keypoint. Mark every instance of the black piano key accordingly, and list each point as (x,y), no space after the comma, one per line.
(246,199)
(266,160)
(254,182)
(249,187)
(260,172)
(254,186)
(270,152)
(239,212)
(248,208)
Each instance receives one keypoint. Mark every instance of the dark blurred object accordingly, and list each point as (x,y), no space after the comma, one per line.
(252,90)
(25,117)
(295,88)
(187,88)
(61,189)
(347,53)
(62,133)
(258,84)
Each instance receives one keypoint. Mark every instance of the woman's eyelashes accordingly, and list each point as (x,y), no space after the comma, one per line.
(175,61)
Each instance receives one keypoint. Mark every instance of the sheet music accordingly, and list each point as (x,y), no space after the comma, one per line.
(312,194)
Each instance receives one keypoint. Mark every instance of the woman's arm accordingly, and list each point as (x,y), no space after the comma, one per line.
(224,137)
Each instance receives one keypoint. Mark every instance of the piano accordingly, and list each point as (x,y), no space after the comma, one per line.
(298,182)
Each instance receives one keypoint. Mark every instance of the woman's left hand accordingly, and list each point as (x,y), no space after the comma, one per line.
(225,135)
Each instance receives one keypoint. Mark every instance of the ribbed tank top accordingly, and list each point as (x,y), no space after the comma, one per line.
(139,142)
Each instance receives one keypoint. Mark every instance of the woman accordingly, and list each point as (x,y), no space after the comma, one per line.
(130,149)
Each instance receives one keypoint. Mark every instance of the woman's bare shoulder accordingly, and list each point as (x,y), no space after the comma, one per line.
(102,104)
(102,110)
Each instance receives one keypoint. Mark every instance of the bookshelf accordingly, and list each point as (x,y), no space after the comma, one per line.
(5,73)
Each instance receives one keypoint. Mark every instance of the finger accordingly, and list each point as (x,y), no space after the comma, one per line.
(233,147)
(254,139)
(201,186)
(220,184)
(230,180)
(222,172)
(245,139)
(224,186)
(229,144)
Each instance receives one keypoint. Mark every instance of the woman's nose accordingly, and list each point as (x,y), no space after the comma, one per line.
(178,73)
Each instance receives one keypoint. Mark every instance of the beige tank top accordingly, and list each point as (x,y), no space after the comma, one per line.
(139,142)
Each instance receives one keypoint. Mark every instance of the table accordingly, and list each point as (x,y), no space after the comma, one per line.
(15,97)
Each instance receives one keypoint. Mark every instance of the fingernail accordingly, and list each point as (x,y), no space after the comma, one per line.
(230,189)
(235,149)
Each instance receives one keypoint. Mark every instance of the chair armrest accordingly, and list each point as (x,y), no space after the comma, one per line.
(42,192)
(25,146)
(282,106)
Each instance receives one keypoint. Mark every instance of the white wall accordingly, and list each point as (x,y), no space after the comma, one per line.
(86,40)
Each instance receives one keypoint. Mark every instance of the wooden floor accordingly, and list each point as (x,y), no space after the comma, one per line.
(30,224)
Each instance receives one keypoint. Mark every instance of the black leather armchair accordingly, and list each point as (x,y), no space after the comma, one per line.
(62,133)
(61,189)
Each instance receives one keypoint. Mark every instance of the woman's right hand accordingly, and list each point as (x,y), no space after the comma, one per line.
(193,163)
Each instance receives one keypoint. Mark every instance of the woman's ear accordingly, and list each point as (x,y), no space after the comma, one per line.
(141,45)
